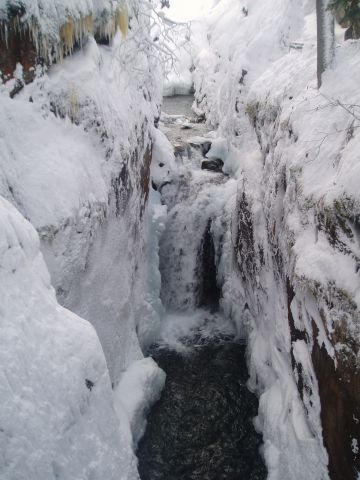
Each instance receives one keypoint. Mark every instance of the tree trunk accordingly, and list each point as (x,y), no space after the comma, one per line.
(325,37)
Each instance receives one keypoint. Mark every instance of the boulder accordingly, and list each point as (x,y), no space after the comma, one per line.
(214,165)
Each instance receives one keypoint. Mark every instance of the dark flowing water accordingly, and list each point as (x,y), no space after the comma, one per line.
(201,429)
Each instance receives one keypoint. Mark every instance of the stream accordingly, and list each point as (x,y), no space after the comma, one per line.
(202,426)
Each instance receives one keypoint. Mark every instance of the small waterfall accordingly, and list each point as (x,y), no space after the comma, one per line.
(187,258)
(201,428)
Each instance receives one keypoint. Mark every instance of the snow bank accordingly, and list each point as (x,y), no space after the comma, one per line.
(54,379)
(139,388)
(163,164)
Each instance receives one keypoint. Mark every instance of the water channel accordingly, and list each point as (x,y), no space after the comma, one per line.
(202,426)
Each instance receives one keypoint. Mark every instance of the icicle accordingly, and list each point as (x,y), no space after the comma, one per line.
(74,103)
(123,21)
(67,35)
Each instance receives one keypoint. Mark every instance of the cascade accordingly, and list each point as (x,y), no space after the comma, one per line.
(201,428)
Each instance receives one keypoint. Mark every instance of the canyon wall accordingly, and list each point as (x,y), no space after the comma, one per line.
(78,98)
(293,150)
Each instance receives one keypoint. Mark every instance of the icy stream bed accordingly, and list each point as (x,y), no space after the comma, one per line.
(202,426)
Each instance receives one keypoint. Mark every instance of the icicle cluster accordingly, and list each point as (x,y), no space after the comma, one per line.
(56,29)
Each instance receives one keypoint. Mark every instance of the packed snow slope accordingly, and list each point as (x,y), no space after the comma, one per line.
(75,154)
(293,151)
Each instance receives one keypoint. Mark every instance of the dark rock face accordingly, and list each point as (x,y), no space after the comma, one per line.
(214,165)
(16,46)
(201,429)
(209,291)
(122,185)
(145,174)
(245,243)
(338,386)
(339,390)
(349,34)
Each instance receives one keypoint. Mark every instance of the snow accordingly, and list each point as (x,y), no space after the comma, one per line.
(139,388)
(66,185)
(47,356)
(52,168)
(73,147)
(68,143)
(163,163)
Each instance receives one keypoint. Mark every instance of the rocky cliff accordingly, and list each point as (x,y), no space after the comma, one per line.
(78,100)
(293,150)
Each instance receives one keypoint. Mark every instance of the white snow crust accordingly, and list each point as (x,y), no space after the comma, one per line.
(139,388)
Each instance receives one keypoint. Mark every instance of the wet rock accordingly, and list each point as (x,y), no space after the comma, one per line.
(339,389)
(16,46)
(205,148)
(182,150)
(209,291)
(200,118)
(200,144)
(214,165)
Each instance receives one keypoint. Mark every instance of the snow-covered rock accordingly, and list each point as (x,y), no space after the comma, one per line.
(139,388)
(294,151)
(57,418)
(75,154)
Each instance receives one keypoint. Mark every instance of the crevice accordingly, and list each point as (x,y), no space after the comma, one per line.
(209,290)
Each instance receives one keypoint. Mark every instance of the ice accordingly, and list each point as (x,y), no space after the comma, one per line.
(72,163)
(152,311)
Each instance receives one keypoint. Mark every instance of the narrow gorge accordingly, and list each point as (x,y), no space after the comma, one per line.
(179,240)
(202,425)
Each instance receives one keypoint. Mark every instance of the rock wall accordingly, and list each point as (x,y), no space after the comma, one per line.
(76,148)
(292,150)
